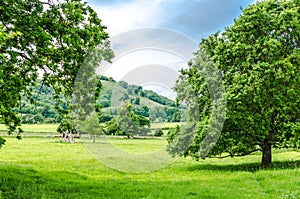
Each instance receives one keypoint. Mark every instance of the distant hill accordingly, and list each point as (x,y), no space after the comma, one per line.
(145,102)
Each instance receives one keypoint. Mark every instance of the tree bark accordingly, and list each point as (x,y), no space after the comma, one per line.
(266,155)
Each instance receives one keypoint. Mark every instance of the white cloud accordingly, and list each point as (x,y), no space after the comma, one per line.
(132,15)
(129,62)
(195,18)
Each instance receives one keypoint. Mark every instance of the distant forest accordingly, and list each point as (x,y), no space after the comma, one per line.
(42,108)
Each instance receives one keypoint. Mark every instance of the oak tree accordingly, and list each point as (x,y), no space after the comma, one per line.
(55,39)
(258,60)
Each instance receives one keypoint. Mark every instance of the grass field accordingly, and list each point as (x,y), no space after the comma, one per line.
(36,128)
(51,128)
(46,168)
(156,125)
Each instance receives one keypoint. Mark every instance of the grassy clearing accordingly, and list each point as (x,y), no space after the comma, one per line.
(159,125)
(139,146)
(46,168)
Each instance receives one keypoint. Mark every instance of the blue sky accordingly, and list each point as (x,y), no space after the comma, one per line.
(194,19)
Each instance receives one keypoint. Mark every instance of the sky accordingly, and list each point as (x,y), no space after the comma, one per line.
(195,18)
(158,34)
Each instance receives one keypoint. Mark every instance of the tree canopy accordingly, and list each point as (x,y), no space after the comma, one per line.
(54,40)
(131,124)
(258,60)
(92,126)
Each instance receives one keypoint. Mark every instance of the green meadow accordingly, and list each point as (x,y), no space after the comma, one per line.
(51,128)
(35,128)
(46,168)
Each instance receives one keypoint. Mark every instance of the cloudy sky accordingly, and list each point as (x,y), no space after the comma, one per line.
(193,19)
(196,18)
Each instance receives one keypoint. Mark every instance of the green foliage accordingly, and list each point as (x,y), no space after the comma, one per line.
(66,125)
(55,39)
(136,101)
(112,128)
(43,104)
(131,124)
(158,98)
(123,84)
(172,133)
(110,79)
(2,141)
(158,133)
(143,111)
(166,114)
(159,110)
(43,108)
(8,100)
(38,118)
(91,125)
(258,58)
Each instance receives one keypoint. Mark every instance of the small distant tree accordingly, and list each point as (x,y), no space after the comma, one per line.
(130,89)
(111,79)
(137,101)
(38,118)
(111,127)
(91,125)
(67,129)
(130,123)
(123,84)
(158,133)
(138,90)
(142,94)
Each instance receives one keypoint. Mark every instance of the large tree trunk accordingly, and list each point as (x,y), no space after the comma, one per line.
(266,155)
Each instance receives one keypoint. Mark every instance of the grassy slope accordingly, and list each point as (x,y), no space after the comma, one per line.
(45,168)
(118,91)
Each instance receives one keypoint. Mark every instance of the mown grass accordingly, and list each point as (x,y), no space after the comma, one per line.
(46,168)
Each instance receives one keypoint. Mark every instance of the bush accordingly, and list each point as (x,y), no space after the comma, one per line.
(158,133)
(49,120)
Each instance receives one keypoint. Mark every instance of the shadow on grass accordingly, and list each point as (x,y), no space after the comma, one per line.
(17,182)
(24,182)
(250,167)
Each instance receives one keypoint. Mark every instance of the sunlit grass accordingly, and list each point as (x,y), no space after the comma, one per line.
(37,128)
(159,125)
(46,168)
(139,145)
